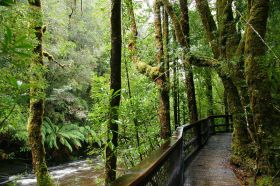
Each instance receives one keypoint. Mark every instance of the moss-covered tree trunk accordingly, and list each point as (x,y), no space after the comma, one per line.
(224,41)
(240,135)
(161,81)
(259,85)
(165,35)
(209,92)
(115,86)
(181,29)
(191,98)
(36,108)
(187,66)
(155,73)
(175,82)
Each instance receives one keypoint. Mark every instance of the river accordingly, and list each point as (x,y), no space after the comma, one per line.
(85,172)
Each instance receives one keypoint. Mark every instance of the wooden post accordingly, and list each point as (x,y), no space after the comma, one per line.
(212,124)
(227,122)
(198,134)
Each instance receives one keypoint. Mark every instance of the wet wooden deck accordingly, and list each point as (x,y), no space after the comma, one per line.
(211,165)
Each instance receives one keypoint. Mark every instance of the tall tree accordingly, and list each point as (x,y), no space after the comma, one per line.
(209,92)
(161,81)
(165,35)
(115,87)
(257,78)
(156,73)
(36,109)
(175,87)
(193,115)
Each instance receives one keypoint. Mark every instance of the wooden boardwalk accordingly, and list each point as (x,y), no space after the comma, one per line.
(211,165)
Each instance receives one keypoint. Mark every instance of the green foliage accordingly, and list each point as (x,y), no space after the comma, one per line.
(142,107)
(67,135)
(261,181)
(17,40)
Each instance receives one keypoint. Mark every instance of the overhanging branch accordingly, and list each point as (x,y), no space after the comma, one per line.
(202,61)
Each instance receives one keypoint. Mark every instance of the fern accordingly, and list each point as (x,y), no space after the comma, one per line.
(67,135)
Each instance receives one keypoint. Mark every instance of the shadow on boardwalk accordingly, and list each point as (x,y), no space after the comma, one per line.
(211,166)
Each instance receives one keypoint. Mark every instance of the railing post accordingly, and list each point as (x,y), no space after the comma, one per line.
(182,164)
(227,123)
(198,134)
(212,125)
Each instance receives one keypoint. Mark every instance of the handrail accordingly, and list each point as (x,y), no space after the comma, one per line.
(165,166)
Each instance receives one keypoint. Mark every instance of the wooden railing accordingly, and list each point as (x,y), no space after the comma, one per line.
(166,166)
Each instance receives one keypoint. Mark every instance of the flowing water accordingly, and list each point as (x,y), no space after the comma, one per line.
(75,173)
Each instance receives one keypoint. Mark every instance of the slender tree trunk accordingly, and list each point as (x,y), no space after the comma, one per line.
(187,66)
(226,110)
(36,109)
(209,92)
(226,102)
(115,86)
(192,107)
(155,73)
(175,82)
(179,108)
(165,34)
(135,121)
(164,108)
(184,110)
(175,94)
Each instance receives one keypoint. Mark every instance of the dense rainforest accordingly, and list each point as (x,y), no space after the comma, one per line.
(106,82)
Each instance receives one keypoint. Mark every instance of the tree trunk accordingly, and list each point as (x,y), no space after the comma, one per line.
(175,94)
(155,73)
(115,86)
(164,108)
(240,135)
(193,116)
(187,66)
(175,87)
(209,92)
(209,25)
(257,78)
(165,34)
(36,109)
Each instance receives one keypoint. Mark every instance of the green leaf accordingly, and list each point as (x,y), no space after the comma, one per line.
(111,145)
(68,145)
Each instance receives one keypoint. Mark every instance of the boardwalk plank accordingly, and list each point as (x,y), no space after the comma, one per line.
(211,166)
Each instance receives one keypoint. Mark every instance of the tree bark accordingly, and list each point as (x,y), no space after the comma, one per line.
(115,86)
(222,49)
(36,108)
(164,108)
(148,70)
(209,92)
(187,65)
(209,25)
(165,34)
(257,78)
(156,73)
